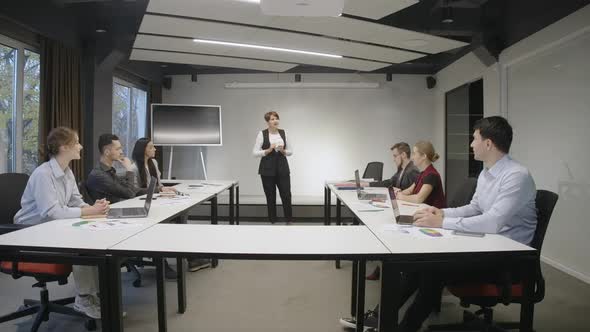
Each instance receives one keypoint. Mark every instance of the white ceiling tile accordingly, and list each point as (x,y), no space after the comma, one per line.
(267,37)
(187,45)
(208,60)
(341,27)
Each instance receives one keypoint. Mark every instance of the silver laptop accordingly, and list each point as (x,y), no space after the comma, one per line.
(399,218)
(362,195)
(136,212)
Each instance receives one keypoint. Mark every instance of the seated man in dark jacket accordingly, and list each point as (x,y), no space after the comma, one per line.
(103,181)
(406,173)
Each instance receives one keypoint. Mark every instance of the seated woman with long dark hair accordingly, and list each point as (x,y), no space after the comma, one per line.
(145,165)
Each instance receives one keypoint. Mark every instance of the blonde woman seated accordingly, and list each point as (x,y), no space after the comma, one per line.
(427,188)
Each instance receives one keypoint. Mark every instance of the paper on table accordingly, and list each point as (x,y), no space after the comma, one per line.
(100,225)
(365,207)
(415,232)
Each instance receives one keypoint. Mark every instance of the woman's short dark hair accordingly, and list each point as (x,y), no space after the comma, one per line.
(496,129)
(269,114)
(60,136)
(138,156)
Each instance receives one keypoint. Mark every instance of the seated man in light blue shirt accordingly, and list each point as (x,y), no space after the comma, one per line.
(503,203)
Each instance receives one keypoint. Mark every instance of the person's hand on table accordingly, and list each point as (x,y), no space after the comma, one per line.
(429,217)
(168,190)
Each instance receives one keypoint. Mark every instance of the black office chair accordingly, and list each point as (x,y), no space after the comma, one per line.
(488,295)
(374,170)
(464,194)
(14,185)
(130,264)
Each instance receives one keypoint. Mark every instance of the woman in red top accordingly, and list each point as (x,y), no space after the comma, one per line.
(428,186)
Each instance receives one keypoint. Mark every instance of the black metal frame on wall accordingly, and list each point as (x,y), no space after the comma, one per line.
(463,107)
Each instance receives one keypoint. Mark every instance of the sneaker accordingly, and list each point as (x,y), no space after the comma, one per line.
(371,320)
(198,264)
(97,301)
(86,304)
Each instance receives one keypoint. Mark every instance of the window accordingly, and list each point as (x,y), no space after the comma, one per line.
(129,113)
(20,70)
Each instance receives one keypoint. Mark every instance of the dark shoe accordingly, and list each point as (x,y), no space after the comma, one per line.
(169,273)
(198,264)
(375,275)
(371,320)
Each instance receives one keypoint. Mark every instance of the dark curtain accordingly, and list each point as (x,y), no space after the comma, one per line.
(60,96)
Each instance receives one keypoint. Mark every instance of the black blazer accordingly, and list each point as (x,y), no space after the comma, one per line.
(274,163)
(410,175)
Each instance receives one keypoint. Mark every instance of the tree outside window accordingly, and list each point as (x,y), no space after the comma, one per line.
(20,69)
(129,114)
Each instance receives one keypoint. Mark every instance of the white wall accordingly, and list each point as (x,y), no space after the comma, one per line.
(541,86)
(333,131)
(547,100)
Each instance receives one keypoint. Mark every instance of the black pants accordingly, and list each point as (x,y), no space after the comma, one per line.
(430,283)
(270,184)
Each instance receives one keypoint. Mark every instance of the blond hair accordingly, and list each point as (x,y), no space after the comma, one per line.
(426,148)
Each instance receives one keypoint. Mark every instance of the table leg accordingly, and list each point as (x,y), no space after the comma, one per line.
(338,221)
(231,205)
(360,296)
(389,303)
(326,205)
(237,204)
(329,209)
(105,295)
(161,294)
(355,265)
(181,285)
(214,221)
(113,270)
(527,307)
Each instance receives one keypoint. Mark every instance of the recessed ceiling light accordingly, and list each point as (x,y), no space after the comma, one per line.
(163,66)
(250,1)
(101,30)
(265,48)
(415,42)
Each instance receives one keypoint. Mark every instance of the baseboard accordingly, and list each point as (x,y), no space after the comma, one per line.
(565,269)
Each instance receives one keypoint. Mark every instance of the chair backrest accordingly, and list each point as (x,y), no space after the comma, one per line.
(464,194)
(545,203)
(13,187)
(84,192)
(374,170)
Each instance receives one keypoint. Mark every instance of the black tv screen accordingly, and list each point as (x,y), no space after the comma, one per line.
(197,125)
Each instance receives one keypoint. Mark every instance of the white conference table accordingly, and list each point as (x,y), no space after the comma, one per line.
(412,250)
(213,186)
(248,243)
(59,241)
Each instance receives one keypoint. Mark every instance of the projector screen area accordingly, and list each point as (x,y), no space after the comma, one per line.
(186,125)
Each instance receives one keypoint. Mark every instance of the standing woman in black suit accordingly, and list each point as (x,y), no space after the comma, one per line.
(273,149)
